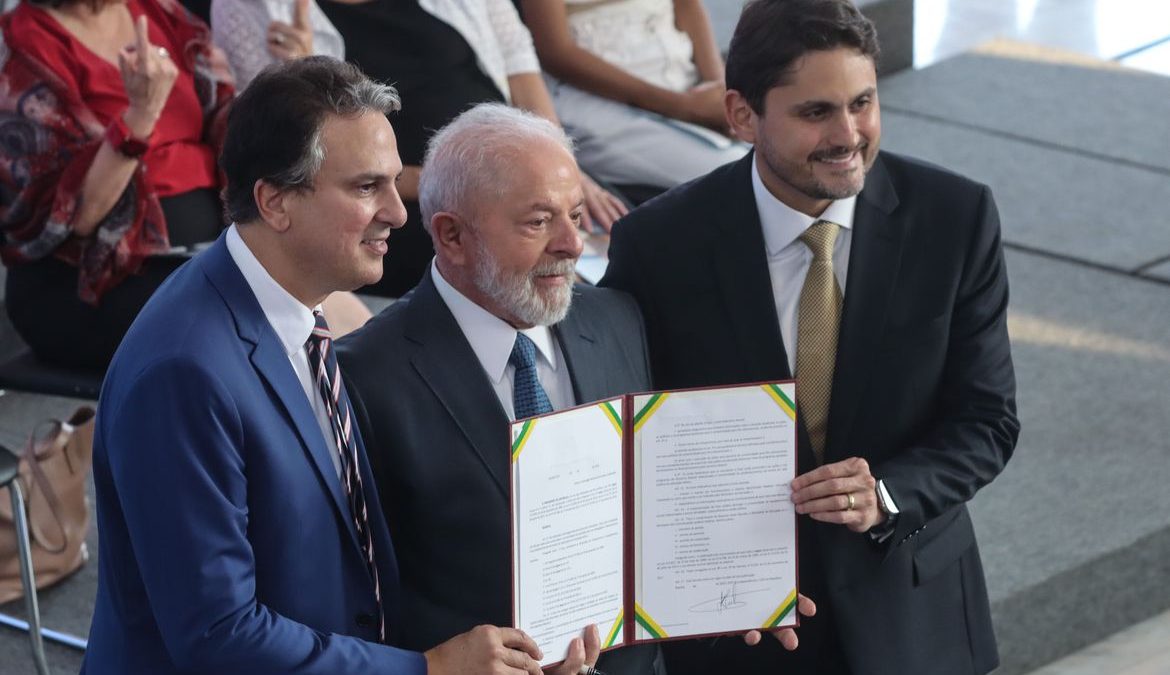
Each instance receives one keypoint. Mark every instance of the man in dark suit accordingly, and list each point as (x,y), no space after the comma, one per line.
(241,532)
(494,331)
(879,282)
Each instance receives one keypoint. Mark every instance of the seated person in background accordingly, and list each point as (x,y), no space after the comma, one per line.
(256,33)
(502,277)
(110,116)
(638,84)
(444,56)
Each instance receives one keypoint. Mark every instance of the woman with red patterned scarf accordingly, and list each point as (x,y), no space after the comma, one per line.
(111,112)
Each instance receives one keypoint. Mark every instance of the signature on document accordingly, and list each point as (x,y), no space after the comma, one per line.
(730,597)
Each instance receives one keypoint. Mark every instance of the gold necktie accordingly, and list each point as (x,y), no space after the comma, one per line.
(819,316)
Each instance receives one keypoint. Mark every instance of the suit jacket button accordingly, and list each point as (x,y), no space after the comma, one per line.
(364,620)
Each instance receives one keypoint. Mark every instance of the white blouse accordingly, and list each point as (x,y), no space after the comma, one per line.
(638,36)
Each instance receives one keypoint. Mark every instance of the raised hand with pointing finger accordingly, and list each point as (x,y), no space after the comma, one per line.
(292,41)
(148,73)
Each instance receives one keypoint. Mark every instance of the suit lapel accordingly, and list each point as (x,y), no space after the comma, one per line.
(583,355)
(873,270)
(450,368)
(272,364)
(741,265)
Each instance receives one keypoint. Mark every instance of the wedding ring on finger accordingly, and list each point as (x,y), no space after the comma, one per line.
(163,53)
(851,502)
(278,38)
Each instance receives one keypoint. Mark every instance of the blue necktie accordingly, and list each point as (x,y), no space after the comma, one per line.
(528,397)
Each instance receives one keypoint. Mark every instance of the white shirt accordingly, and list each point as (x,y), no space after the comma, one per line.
(291,321)
(638,36)
(789,258)
(492,340)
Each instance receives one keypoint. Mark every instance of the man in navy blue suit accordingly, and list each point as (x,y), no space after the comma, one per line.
(241,530)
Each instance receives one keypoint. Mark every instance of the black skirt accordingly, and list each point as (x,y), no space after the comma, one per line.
(42,301)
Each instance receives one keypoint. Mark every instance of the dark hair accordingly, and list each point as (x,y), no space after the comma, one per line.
(274,127)
(772,35)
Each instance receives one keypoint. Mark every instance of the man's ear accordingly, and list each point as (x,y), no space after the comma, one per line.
(272,202)
(740,116)
(449,234)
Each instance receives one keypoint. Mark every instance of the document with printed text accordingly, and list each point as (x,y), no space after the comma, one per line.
(656,516)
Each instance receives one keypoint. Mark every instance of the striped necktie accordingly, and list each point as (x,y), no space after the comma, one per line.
(818,320)
(323,364)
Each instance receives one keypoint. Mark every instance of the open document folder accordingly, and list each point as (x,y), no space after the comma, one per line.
(656,516)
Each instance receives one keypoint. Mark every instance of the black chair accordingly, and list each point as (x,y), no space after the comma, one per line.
(23,372)
(8,473)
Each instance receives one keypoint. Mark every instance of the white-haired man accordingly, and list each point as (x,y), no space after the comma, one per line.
(495,331)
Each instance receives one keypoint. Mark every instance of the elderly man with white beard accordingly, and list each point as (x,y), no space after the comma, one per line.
(496,331)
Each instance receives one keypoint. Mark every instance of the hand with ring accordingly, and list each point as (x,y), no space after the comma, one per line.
(843,493)
(291,41)
(148,74)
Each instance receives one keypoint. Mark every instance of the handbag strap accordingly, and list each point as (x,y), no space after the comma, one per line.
(60,436)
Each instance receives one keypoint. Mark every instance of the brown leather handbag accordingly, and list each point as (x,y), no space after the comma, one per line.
(53,470)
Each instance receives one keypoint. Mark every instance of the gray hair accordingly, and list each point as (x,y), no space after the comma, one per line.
(274,128)
(465,157)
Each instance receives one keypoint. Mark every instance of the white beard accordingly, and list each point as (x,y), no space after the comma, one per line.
(517,295)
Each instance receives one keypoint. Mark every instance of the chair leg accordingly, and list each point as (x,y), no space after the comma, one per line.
(27,579)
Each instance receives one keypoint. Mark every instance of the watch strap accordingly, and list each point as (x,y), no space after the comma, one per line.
(120,137)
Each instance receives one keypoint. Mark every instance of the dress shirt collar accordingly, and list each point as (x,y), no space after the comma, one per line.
(783,224)
(491,337)
(292,321)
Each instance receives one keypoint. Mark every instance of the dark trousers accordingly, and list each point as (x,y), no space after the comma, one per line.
(44,307)
(60,328)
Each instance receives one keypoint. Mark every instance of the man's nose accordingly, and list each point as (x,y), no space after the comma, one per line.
(566,240)
(392,211)
(844,132)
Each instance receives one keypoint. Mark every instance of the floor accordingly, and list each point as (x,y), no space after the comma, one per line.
(1135,33)
(1143,649)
